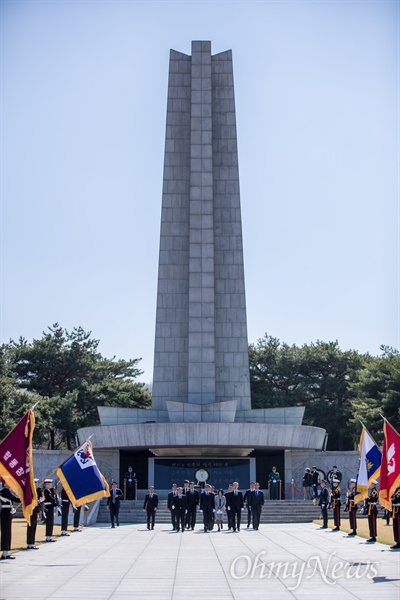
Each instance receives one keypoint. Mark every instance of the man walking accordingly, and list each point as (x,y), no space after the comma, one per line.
(114,503)
(256,504)
(236,506)
(150,506)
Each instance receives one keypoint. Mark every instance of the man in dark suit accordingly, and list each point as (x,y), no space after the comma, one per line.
(207,507)
(235,506)
(193,499)
(256,504)
(315,482)
(323,503)
(180,504)
(170,503)
(114,502)
(246,500)
(150,506)
(228,512)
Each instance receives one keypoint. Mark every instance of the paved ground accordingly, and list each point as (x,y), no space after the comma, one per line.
(296,561)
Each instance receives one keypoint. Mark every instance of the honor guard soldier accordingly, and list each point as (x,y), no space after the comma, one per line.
(246,500)
(207,507)
(372,510)
(150,506)
(323,503)
(395,498)
(130,478)
(351,507)
(274,480)
(77,516)
(256,504)
(193,499)
(64,512)
(171,506)
(49,504)
(336,503)
(114,503)
(31,528)
(7,497)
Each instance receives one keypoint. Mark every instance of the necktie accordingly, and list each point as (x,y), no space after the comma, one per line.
(256,492)
(235,493)
(114,496)
(151,495)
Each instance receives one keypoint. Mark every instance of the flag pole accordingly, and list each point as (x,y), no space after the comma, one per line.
(390,425)
(372,438)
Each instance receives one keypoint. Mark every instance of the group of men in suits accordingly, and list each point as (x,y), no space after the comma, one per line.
(183,503)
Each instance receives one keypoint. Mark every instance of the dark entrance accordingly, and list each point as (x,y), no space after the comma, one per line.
(139,463)
(264,463)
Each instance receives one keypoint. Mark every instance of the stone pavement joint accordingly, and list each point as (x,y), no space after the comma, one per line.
(283,561)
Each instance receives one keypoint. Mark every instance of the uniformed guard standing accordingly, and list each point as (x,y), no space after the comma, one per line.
(396,518)
(31,528)
(372,510)
(65,502)
(336,503)
(7,497)
(77,516)
(274,480)
(351,507)
(50,502)
(130,478)
(323,503)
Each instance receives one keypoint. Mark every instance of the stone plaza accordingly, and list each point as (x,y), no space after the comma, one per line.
(285,561)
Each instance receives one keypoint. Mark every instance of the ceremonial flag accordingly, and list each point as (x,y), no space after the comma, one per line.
(81,477)
(370,464)
(16,466)
(390,468)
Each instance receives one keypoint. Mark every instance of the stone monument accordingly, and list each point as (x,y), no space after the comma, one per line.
(201,405)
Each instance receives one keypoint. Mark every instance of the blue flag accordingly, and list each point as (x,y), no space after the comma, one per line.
(370,464)
(81,477)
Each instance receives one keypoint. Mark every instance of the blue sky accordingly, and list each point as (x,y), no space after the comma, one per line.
(83,107)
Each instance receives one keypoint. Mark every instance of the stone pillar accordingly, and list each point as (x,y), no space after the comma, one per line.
(201,348)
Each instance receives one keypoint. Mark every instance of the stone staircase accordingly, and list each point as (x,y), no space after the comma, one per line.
(288,511)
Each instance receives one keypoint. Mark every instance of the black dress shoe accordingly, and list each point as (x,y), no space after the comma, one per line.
(396,546)
(373,539)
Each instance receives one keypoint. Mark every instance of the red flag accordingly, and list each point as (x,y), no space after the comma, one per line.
(390,467)
(16,465)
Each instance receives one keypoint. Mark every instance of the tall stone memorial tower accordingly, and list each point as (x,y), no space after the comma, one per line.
(201,368)
(201,420)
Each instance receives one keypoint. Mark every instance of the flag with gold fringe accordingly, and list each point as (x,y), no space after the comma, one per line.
(16,466)
(370,464)
(81,478)
(390,468)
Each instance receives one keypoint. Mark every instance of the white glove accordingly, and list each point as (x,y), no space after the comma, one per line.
(213,509)
(201,510)
(241,509)
(229,508)
(173,507)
